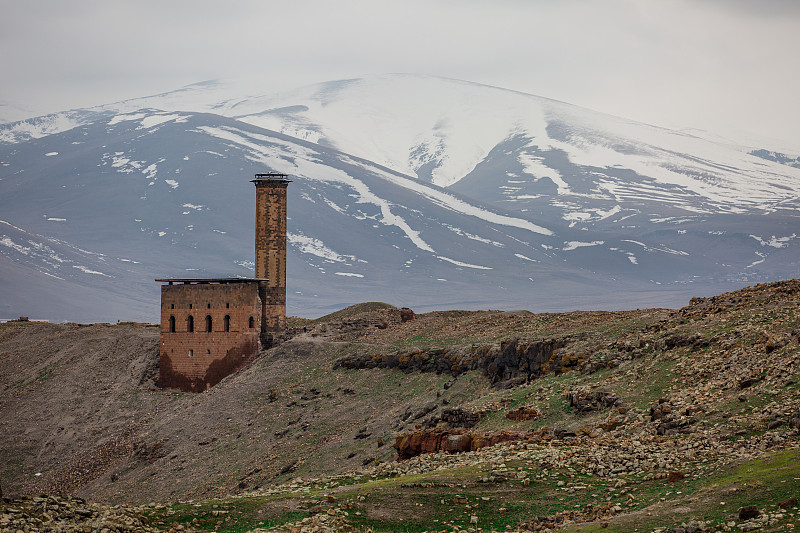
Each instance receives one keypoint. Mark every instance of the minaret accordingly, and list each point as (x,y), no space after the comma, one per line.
(271,250)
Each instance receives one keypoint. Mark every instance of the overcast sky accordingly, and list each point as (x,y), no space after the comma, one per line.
(722,65)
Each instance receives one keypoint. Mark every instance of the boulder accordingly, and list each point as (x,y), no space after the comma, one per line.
(458,443)
(406,314)
(675,476)
(788,503)
(749,512)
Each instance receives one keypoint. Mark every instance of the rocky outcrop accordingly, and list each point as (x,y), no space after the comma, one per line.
(518,360)
(453,441)
(351,326)
(670,420)
(584,401)
(523,414)
(456,418)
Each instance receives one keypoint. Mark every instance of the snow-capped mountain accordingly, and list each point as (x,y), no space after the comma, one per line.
(420,191)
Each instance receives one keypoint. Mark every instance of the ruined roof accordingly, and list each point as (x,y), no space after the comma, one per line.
(189,281)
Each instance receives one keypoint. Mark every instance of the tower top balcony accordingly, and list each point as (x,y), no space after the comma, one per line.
(271,178)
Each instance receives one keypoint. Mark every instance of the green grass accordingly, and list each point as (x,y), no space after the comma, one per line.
(226,516)
(763,482)
(654,381)
(446,498)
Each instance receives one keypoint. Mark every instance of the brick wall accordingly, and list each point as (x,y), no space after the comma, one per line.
(271,250)
(195,361)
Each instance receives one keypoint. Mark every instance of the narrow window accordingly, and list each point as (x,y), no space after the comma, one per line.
(252,323)
(227,305)
(208,323)
(190,306)
(172,306)
(172,323)
(227,323)
(191,353)
(190,324)
(208,306)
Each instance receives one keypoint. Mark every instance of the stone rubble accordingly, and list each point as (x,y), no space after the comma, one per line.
(72,515)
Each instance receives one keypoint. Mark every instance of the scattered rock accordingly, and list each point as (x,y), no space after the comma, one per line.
(67,514)
(584,401)
(523,414)
(362,434)
(457,418)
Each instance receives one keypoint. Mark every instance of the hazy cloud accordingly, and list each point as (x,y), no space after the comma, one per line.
(716,64)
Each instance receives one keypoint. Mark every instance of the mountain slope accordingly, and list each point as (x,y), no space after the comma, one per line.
(167,195)
(544,205)
(699,400)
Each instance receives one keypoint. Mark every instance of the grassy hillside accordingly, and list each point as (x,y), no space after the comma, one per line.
(622,421)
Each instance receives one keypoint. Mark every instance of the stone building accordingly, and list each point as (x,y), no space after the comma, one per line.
(212,327)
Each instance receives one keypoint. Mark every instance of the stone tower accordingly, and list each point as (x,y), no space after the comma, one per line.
(271,251)
(212,327)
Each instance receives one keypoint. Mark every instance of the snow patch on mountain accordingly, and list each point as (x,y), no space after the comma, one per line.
(6,241)
(156,119)
(450,201)
(47,255)
(36,128)
(574,245)
(87,270)
(775,242)
(116,119)
(763,257)
(462,233)
(663,249)
(535,167)
(310,245)
(462,264)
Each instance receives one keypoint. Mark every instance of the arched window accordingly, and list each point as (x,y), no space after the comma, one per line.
(208,323)
(252,323)
(190,324)
(172,323)
(227,322)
